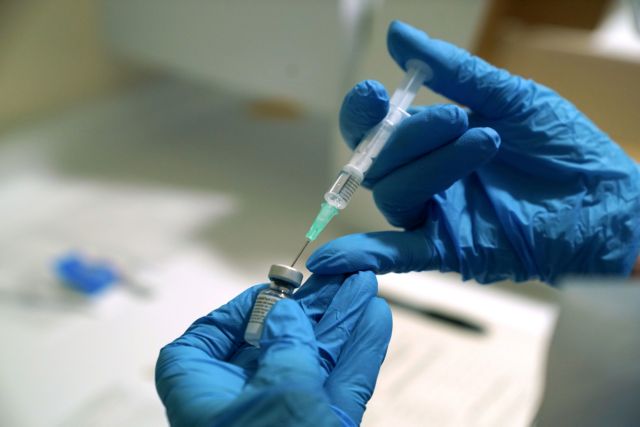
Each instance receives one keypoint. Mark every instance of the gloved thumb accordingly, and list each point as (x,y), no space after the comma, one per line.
(288,350)
(381,252)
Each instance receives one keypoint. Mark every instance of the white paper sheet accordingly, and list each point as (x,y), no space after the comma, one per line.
(443,375)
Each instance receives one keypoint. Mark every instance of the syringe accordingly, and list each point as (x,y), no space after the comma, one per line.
(352,174)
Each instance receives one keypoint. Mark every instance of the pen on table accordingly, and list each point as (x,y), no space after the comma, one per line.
(440,316)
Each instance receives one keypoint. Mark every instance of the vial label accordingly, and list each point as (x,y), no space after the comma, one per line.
(262,306)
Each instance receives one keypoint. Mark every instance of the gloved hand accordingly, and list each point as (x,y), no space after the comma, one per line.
(522,186)
(317,364)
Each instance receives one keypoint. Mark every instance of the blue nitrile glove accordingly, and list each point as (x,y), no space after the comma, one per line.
(524,187)
(317,364)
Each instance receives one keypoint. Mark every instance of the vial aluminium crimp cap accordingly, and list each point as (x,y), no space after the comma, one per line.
(284,280)
(284,273)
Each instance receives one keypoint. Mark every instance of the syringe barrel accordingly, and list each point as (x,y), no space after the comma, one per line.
(340,193)
(353,173)
(369,148)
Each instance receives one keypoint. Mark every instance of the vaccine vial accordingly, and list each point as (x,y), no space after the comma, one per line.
(284,280)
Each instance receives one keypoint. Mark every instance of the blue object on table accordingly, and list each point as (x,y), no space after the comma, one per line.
(521,186)
(85,276)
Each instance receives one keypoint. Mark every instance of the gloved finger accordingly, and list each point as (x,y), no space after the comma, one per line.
(362,108)
(351,383)
(458,75)
(220,332)
(288,350)
(428,129)
(403,194)
(342,315)
(193,386)
(381,252)
(316,295)
(192,377)
(285,406)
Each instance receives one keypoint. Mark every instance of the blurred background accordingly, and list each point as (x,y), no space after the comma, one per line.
(175,150)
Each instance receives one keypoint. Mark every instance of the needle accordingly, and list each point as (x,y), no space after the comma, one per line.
(306,243)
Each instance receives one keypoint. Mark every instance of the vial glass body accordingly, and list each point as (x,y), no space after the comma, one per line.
(265,300)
